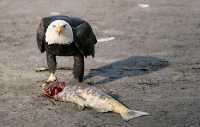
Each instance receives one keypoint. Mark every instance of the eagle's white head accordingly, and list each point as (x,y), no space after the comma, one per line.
(59,32)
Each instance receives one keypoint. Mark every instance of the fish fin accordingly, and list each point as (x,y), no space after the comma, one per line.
(80,107)
(130,114)
(102,110)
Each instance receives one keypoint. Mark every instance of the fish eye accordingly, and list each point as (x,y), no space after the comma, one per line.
(64,26)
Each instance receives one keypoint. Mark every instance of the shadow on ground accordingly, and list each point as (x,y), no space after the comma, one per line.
(132,66)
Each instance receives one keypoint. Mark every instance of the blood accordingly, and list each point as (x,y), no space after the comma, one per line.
(54,88)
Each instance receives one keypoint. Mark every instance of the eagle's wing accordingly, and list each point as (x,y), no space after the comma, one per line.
(85,39)
(40,36)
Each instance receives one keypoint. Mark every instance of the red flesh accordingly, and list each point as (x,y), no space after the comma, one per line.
(53,88)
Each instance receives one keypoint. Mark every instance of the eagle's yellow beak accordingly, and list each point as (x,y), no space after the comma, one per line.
(58,29)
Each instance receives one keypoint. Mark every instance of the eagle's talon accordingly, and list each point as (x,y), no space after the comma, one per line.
(51,78)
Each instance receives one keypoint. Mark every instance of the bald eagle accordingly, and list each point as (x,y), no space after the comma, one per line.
(66,36)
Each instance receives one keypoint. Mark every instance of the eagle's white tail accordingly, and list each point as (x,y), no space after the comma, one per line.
(130,114)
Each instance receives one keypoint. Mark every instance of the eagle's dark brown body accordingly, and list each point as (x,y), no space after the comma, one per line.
(82,46)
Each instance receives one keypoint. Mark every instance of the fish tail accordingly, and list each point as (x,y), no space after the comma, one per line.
(130,114)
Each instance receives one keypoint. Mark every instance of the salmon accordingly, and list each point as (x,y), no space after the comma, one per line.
(89,96)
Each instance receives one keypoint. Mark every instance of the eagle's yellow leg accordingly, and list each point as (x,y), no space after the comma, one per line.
(52,77)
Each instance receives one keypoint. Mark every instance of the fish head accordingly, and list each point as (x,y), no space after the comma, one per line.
(53,88)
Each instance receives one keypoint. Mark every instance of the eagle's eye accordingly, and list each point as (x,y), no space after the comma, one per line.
(53,26)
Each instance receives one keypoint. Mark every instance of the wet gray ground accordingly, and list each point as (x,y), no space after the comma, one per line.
(153,65)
